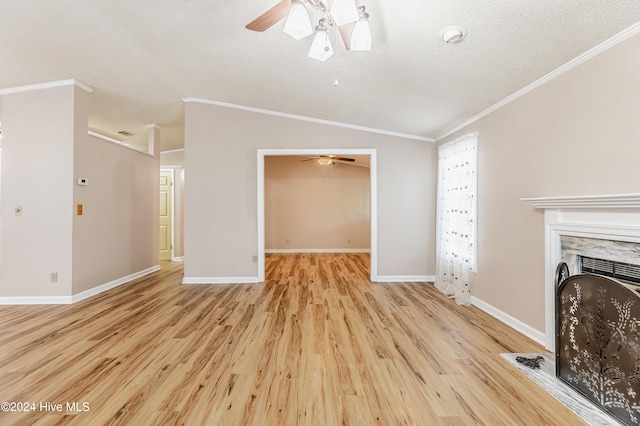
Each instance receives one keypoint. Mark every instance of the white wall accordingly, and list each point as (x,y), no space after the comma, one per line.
(221,189)
(311,207)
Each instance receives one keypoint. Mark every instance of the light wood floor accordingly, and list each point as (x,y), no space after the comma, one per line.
(317,343)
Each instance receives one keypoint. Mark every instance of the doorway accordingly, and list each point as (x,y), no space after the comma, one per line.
(313,152)
(166,215)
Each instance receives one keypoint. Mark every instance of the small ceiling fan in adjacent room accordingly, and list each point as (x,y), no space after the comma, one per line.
(352,23)
(329,160)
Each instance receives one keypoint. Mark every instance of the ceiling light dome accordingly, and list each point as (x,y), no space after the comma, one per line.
(453,34)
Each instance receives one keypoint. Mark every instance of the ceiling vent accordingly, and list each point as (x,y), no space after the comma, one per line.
(126,133)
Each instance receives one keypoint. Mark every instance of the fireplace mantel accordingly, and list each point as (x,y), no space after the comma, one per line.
(613,217)
(611,201)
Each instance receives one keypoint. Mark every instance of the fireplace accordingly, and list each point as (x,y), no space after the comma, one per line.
(607,220)
(595,329)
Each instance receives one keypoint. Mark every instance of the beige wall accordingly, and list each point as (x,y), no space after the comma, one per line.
(577,135)
(37,171)
(313,207)
(115,235)
(221,189)
(45,149)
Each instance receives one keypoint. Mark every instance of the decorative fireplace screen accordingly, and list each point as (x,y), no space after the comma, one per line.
(598,343)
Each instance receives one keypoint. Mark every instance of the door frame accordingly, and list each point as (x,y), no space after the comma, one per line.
(173,204)
(373,184)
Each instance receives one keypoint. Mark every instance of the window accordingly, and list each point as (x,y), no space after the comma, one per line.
(456,223)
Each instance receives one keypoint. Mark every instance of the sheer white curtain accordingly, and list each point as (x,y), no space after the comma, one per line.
(456,219)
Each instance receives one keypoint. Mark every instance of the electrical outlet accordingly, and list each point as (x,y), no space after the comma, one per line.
(54,277)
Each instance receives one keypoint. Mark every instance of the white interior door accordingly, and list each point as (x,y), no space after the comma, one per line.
(166,209)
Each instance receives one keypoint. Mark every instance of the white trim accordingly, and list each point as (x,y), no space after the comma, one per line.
(153,126)
(319,250)
(66,300)
(36,300)
(308,119)
(112,284)
(373,178)
(104,138)
(173,205)
(405,279)
(172,151)
(178,259)
(607,44)
(49,85)
(117,142)
(586,201)
(220,280)
(516,324)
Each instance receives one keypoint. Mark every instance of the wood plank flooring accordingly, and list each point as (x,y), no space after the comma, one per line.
(316,344)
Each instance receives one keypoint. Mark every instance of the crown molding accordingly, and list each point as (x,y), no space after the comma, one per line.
(605,45)
(611,201)
(49,85)
(308,119)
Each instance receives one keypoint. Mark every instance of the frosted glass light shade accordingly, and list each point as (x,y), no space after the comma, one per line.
(344,12)
(361,35)
(321,48)
(298,24)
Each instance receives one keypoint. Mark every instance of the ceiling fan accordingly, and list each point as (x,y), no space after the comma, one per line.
(352,23)
(327,160)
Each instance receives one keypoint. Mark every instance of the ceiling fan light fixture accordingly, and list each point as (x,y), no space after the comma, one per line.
(298,24)
(321,48)
(344,12)
(325,161)
(361,35)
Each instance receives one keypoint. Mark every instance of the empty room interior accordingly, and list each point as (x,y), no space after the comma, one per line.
(319,212)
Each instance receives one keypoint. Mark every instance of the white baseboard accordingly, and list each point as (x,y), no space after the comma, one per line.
(66,300)
(320,250)
(36,300)
(112,284)
(220,280)
(177,259)
(404,278)
(512,322)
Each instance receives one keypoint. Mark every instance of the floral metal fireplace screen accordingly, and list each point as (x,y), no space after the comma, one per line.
(598,343)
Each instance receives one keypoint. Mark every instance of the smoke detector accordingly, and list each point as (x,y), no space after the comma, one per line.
(453,34)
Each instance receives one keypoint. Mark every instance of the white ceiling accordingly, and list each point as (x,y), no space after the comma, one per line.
(143,57)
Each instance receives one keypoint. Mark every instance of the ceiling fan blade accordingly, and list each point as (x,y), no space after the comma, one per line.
(270,17)
(351,160)
(308,159)
(345,33)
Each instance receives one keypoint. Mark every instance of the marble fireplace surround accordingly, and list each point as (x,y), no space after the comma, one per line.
(614,217)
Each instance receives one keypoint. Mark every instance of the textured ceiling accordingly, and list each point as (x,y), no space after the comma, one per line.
(143,57)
